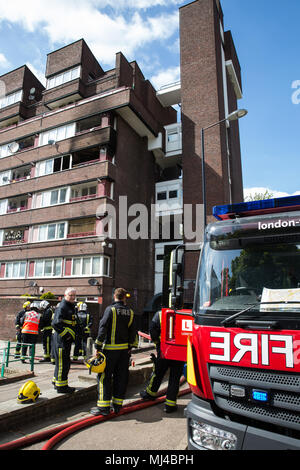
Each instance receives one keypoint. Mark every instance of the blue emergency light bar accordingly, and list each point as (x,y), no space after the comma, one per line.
(266,206)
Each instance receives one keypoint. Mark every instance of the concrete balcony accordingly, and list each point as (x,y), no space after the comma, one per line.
(170,94)
(64,94)
(167,147)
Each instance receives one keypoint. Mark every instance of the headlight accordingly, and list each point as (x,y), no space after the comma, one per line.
(212,438)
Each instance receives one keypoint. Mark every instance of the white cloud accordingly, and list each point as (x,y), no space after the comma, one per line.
(4,63)
(65,21)
(166,77)
(262,190)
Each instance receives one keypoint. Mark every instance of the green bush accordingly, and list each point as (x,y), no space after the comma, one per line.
(47,295)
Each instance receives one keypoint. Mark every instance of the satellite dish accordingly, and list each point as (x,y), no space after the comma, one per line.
(93,282)
(13,147)
(32,91)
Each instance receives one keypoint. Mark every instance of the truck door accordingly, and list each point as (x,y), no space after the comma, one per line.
(177,319)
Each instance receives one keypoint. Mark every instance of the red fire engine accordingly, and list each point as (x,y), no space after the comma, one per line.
(241,338)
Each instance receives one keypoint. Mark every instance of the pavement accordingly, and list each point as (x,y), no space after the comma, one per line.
(146,429)
(14,414)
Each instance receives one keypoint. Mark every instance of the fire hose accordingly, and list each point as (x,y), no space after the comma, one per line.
(61,432)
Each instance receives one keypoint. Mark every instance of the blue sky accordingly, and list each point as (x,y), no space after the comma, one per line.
(265,34)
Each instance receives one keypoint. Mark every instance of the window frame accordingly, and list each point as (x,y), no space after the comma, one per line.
(91,273)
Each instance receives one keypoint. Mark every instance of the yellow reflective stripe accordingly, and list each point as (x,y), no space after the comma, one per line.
(117,401)
(100,401)
(60,366)
(116,346)
(170,403)
(68,330)
(103,404)
(61,383)
(148,389)
(69,322)
(131,318)
(113,326)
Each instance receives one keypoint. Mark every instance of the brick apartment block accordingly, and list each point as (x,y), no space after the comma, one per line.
(91,136)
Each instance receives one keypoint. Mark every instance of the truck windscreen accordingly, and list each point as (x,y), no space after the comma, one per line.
(237,272)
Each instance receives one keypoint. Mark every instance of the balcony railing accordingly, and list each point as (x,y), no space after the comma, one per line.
(81,234)
(83,198)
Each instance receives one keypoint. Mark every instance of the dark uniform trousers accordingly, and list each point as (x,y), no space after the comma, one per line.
(117,328)
(47,338)
(65,331)
(160,368)
(109,389)
(61,350)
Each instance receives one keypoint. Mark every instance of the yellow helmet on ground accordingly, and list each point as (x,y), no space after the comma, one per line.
(96,363)
(28,392)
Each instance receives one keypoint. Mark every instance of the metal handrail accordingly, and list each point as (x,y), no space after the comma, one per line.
(6,356)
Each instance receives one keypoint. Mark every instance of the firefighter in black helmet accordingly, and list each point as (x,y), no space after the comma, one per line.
(117,334)
(160,368)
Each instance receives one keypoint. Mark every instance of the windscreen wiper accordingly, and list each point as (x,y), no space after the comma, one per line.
(229,320)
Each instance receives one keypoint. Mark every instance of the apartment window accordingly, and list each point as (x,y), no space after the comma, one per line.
(64,77)
(48,268)
(54,165)
(82,227)
(59,133)
(10,99)
(51,232)
(173,194)
(11,148)
(3,206)
(15,270)
(90,266)
(84,192)
(51,198)
(162,196)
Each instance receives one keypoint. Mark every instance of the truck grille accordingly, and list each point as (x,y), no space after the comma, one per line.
(283,409)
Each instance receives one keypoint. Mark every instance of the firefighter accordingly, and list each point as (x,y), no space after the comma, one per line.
(85,319)
(65,328)
(26,307)
(30,327)
(117,335)
(160,367)
(47,314)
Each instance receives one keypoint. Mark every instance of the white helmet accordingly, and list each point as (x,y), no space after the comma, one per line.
(44,304)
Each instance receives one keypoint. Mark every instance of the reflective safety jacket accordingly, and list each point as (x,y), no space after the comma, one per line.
(117,328)
(31,322)
(65,320)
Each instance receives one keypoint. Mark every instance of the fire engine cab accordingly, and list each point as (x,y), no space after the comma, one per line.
(241,338)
